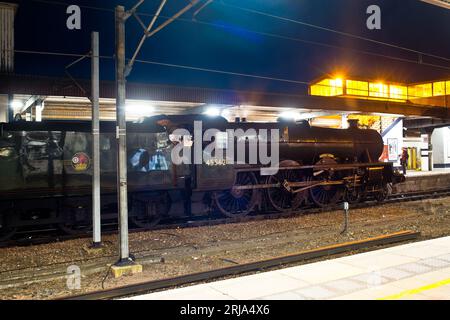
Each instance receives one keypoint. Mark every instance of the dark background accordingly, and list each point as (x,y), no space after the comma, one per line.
(233,47)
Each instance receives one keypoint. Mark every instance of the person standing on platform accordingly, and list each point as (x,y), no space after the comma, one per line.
(404,160)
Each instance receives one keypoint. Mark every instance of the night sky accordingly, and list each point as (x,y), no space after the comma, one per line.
(231,44)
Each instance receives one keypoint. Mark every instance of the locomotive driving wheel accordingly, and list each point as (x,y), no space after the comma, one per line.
(148,209)
(280,198)
(6,232)
(238,202)
(327,194)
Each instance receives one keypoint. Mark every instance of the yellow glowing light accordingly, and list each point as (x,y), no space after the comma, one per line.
(424,90)
(379,90)
(338,82)
(439,88)
(398,92)
(327,88)
(357,88)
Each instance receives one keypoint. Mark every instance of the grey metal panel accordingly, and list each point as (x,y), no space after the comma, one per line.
(7,14)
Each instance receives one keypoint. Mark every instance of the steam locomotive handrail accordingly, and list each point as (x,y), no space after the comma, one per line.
(307,184)
(345,166)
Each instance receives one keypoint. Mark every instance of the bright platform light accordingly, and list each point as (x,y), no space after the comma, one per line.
(138,108)
(212,112)
(338,82)
(290,115)
(16,104)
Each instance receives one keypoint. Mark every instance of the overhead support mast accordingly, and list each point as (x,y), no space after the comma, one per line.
(122,71)
(95,97)
(121,135)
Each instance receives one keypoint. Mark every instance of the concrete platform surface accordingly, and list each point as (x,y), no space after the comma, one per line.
(417,181)
(411,173)
(419,270)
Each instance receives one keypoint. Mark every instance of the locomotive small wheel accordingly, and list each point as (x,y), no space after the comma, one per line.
(238,203)
(384,194)
(280,198)
(77,219)
(148,210)
(5,231)
(353,195)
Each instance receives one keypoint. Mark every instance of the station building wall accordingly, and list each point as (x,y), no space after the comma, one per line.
(394,135)
(441,148)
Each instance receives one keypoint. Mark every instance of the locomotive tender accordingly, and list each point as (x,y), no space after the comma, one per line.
(46,172)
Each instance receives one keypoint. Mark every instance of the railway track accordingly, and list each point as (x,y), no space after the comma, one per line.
(240,269)
(51,235)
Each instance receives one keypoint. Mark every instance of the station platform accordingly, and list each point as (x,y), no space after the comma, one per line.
(412,173)
(417,271)
(423,181)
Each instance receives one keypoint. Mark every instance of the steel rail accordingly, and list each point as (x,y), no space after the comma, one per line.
(146,287)
(201,221)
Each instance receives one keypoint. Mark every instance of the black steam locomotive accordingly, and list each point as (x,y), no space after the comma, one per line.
(46,172)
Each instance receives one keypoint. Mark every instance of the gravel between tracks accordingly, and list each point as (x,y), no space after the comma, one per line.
(205,248)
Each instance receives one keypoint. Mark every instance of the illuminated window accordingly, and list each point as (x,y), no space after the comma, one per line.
(379,90)
(420,91)
(439,89)
(398,92)
(328,88)
(357,88)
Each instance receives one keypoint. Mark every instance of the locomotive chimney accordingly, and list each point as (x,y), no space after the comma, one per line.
(303,123)
(353,123)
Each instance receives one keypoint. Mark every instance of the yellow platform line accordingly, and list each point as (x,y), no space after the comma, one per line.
(417,290)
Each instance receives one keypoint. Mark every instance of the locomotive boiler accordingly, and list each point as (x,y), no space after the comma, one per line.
(46,172)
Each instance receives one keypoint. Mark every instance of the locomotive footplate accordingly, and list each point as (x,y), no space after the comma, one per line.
(289,185)
(324,167)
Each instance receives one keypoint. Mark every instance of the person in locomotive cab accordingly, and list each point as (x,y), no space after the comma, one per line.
(404,159)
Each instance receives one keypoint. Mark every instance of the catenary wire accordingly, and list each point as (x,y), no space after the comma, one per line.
(168,65)
(332,30)
(54,2)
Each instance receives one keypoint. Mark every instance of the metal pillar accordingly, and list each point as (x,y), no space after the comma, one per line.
(344,121)
(121,135)
(10,113)
(346,207)
(430,151)
(4,108)
(95,97)
(122,71)
(39,107)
